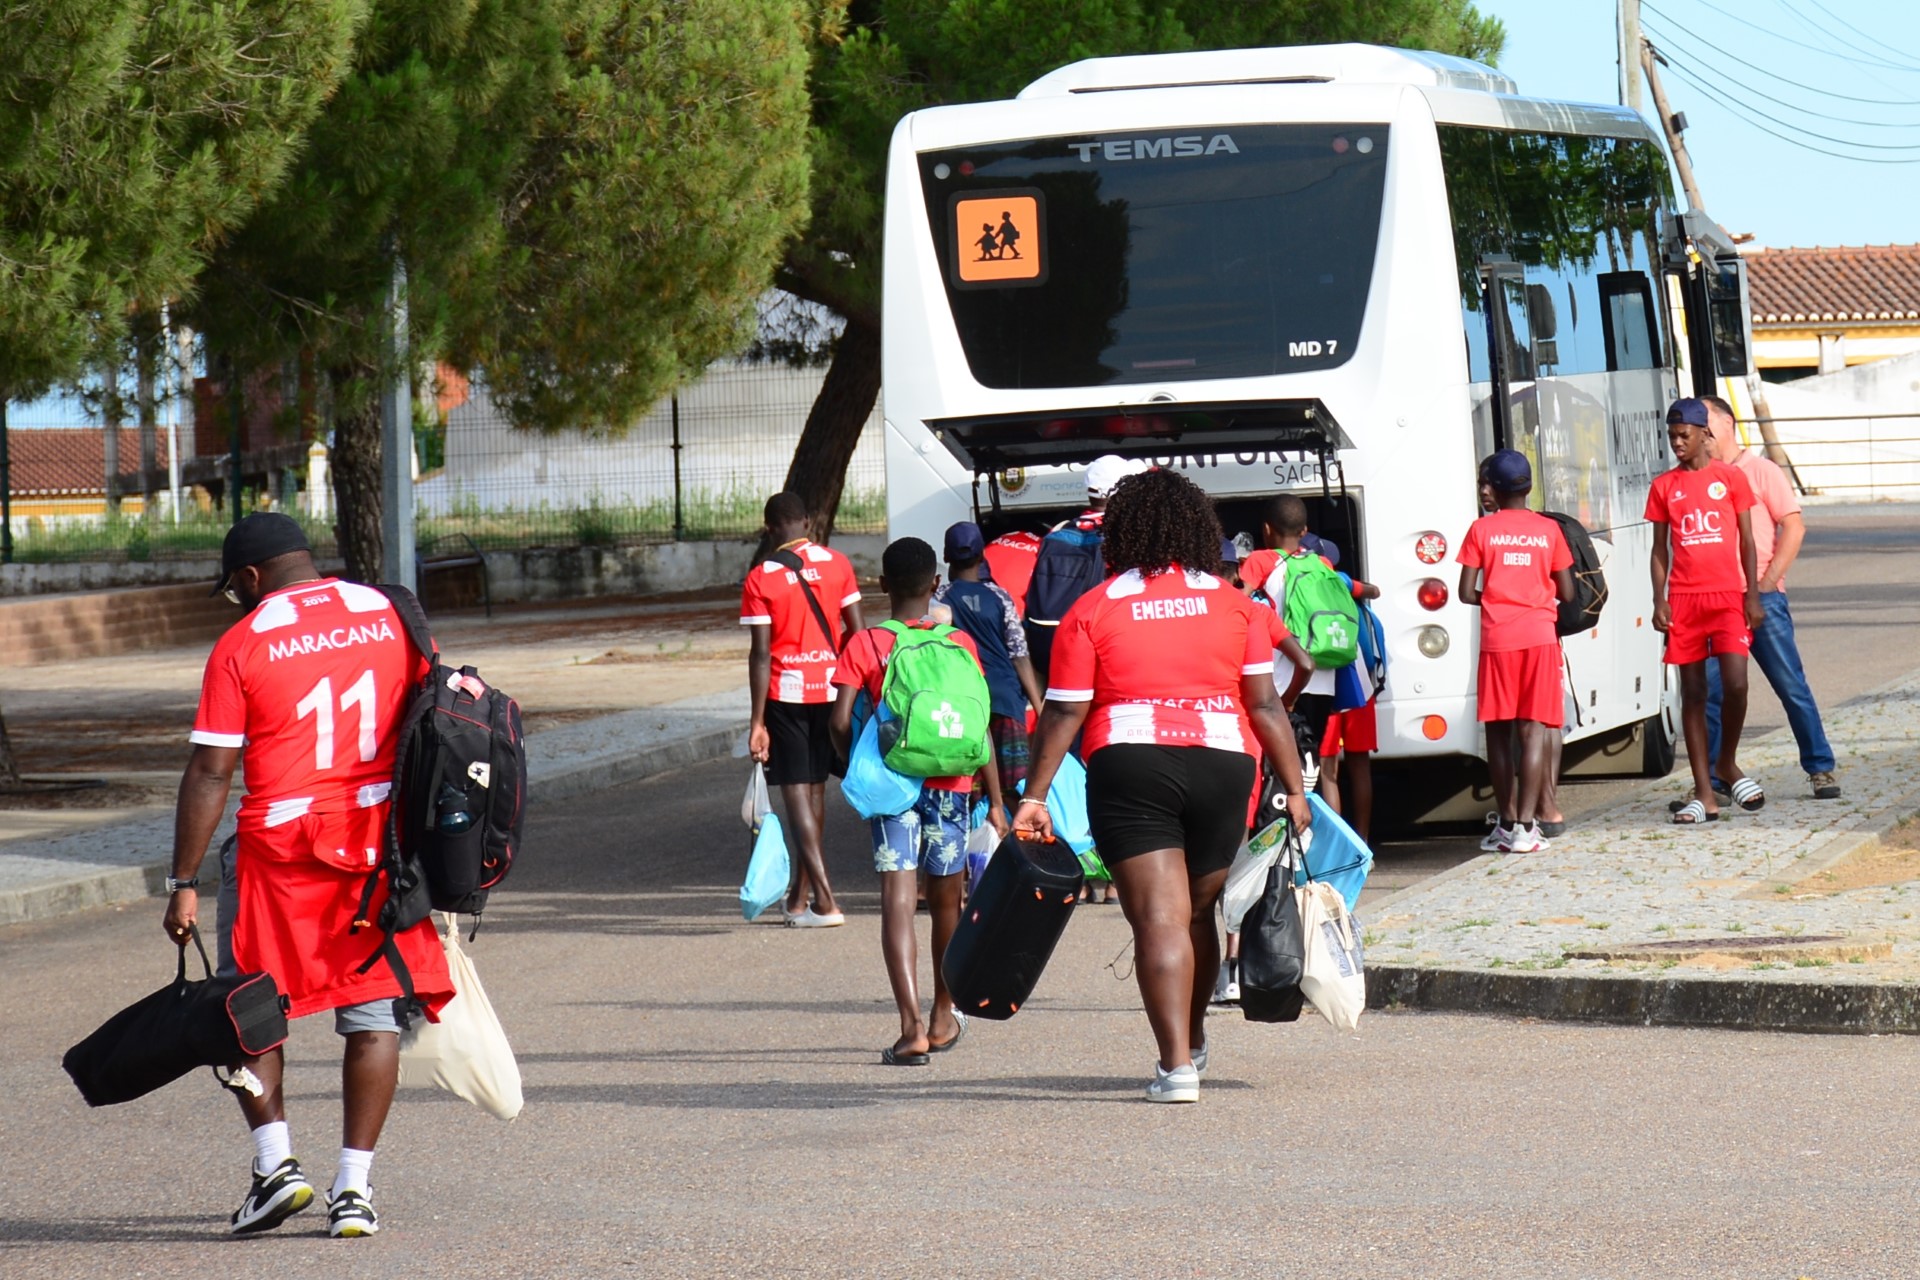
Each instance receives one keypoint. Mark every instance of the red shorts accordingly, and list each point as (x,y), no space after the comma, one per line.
(1355,729)
(1522,684)
(297,903)
(1707,622)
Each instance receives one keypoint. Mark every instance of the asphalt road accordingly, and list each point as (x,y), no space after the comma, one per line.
(704,1098)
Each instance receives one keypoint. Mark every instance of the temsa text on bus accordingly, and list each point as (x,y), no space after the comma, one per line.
(1155,148)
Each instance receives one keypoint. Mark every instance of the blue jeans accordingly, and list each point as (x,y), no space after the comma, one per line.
(1778,658)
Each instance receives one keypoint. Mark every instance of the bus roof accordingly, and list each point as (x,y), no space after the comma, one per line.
(1347,63)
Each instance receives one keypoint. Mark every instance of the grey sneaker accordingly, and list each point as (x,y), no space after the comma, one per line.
(275,1197)
(1182,1084)
(1200,1061)
(1824,787)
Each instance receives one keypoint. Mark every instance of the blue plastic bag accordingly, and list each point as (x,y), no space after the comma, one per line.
(874,790)
(1337,854)
(768,872)
(1067,804)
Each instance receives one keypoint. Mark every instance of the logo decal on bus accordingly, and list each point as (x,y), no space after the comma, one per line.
(999,238)
(1116,149)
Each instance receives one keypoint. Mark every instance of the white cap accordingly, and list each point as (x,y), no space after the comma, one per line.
(1104,473)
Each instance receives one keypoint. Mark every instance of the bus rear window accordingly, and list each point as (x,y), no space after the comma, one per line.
(1158,256)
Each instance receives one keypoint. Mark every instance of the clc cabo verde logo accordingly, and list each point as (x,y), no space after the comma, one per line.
(1695,523)
(1717,490)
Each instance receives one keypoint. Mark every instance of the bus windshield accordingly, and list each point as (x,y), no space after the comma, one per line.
(1158,255)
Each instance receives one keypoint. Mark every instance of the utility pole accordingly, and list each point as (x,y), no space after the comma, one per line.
(1674,126)
(1629,53)
(396,436)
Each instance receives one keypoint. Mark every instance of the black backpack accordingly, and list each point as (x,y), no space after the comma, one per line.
(1072,562)
(459,800)
(1582,613)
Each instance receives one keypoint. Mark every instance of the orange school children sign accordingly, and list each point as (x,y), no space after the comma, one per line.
(999,238)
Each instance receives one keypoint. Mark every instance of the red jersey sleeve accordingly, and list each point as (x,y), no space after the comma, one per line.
(1657,501)
(846,586)
(221,720)
(858,663)
(754,607)
(1473,547)
(1262,639)
(1070,672)
(1258,567)
(1561,555)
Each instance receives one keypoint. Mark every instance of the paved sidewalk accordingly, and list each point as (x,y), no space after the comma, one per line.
(1748,921)
(612,692)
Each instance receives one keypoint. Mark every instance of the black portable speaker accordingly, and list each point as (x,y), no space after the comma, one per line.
(1010,926)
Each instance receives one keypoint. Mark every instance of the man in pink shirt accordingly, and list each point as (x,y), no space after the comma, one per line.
(1777,532)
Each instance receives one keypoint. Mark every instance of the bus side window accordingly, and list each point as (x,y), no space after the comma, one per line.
(1626,316)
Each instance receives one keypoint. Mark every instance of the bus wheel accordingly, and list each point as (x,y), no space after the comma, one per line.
(1656,747)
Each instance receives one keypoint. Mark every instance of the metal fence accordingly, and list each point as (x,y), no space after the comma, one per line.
(1857,457)
(699,465)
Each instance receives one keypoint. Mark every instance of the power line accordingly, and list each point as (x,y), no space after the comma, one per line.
(1788,124)
(1843,22)
(1834,37)
(1726,81)
(1795,41)
(1743,113)
(1774,75)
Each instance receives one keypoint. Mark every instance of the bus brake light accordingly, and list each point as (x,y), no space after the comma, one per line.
(1430,547)
(1432,594)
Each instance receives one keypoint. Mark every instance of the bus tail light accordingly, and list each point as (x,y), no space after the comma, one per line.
(1435,727)
(1430,547)
(1433,641)
(1432,594)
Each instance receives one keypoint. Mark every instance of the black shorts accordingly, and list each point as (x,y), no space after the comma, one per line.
(1141,798)
(799,748)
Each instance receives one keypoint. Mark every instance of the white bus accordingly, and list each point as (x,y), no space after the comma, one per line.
(1343,271)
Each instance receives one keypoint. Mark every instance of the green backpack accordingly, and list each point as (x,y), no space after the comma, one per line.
(938,701)
(1321,613)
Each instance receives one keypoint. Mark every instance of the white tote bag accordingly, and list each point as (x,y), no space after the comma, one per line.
(754,805)
(1333,978)
(466,1052)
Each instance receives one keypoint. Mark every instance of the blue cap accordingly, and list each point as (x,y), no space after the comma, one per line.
(1229,551)
(1325,548)
(1689,410)
(965,542)
(1508,471)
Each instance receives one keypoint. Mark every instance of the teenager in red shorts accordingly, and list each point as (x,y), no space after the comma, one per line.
(1516,565)
(1706,596)
(310,687)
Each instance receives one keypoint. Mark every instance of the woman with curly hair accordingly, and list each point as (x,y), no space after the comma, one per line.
(1164,671)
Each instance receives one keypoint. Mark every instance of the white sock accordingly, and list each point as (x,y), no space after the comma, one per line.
(353,1171)
(271,1144)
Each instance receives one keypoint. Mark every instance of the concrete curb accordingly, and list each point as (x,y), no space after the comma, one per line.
(1822,1007)
(115,886)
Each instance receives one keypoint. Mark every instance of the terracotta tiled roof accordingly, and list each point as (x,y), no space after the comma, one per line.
(72,460)
(1878,282)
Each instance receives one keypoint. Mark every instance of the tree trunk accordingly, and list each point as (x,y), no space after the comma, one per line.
(9,770)
(355,464)
(819,469)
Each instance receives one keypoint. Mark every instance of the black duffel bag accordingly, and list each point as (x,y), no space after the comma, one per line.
(215,1022)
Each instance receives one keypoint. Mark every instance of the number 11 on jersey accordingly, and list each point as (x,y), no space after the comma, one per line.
(319,704)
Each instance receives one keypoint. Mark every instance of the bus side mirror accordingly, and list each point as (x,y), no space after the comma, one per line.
(1729,315)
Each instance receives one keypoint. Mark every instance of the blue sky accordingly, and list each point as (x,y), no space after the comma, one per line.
(1751,182)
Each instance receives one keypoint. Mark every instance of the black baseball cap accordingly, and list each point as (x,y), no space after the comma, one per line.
(1508,471)
(256,539)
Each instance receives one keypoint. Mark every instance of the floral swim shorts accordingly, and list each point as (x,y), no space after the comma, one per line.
(932,834)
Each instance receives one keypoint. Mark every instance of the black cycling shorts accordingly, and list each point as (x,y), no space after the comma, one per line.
(1141,798)
(799,748)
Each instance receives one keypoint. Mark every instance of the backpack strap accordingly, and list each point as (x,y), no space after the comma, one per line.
(413,618)
(789,560)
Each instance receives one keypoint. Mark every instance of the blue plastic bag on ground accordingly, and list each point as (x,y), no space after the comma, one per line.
(1067,804)
(768,871)
(1337,855)
(874,790)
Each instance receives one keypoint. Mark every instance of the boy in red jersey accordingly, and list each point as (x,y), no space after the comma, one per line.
(1706,598)
(310,686)
(1516,565)
(930,836)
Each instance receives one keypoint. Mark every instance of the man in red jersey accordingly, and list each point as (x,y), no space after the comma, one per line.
(1706,599)
(798,602)
(309,688)
(1516,565)
(1010,558)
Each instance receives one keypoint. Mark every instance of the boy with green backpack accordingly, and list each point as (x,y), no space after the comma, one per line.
(924,683)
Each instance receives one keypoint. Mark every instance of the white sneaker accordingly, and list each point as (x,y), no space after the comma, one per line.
(1495,841)
(1526,839)
(1200,1059)
(1182,1084)
(811,919)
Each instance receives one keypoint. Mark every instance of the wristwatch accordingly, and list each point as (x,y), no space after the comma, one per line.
(174,886)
